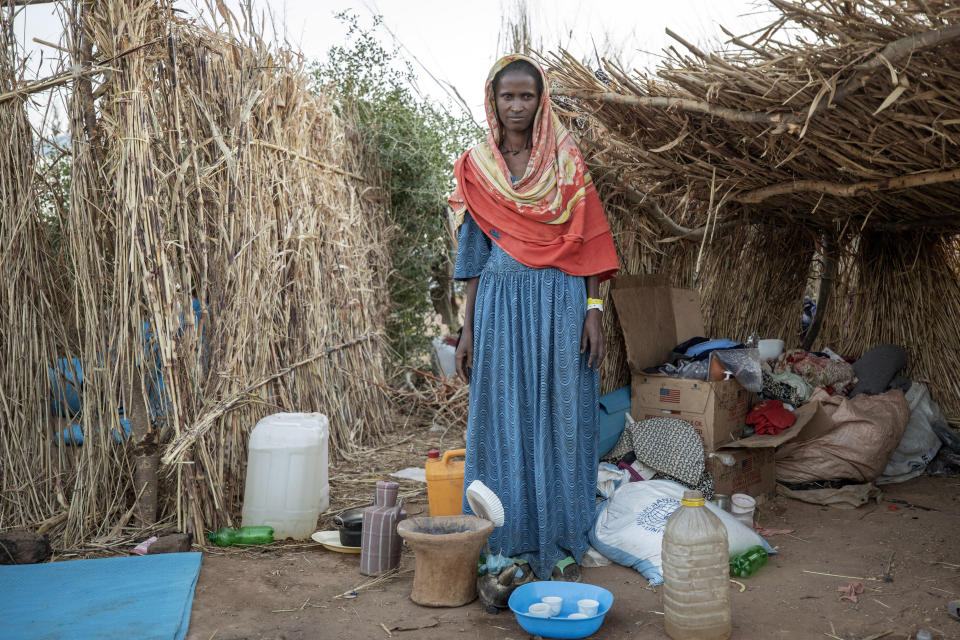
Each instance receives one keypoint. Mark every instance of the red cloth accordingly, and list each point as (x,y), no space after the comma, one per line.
(770,418)
(581,246)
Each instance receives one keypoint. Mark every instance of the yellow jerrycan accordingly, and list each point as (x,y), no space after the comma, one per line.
(445,482)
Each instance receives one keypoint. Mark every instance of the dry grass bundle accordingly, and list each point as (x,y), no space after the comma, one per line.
(883,297)
(816,145)
(29,315)
(753,280)
(226,249)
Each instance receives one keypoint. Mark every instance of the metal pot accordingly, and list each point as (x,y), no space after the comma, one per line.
(350,523)
(722,501)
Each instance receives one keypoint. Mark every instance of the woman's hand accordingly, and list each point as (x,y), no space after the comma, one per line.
(592,338)
(464,355)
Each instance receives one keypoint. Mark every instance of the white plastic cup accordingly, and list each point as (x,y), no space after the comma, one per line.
(588,607)
(742,507)
(576,616)
(539,609)
(554,602)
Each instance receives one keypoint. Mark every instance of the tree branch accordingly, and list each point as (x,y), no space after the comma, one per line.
(46,83)
(847,190)
(683,104)
(891,53)
(661,217)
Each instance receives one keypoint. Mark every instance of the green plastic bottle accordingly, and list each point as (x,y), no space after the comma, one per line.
(749,562)
(227,537)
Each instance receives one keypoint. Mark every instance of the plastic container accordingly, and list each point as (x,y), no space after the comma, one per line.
(445,357)
(287,485)
(749,562)
(227,537)
(445,482)
(770,348)
(742,507)
(696,591)
(560,626)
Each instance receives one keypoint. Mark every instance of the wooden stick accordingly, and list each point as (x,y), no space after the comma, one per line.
(834,575)
(848,190)
(682,233)
(46,83)
(179,446)
(267,145)
(683,104)
(891,53)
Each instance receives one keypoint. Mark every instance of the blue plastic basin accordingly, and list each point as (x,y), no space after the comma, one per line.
(559,626)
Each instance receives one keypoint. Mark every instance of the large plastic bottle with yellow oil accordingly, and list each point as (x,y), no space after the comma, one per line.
(445,482)
(696,589)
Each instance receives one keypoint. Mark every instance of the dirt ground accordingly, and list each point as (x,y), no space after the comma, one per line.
(904,550)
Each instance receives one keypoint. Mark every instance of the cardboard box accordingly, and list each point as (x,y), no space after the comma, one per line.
(655,318)
(753,472)
(715,409)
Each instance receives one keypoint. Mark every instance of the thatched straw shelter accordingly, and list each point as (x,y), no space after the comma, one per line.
(220,255)
(819,155)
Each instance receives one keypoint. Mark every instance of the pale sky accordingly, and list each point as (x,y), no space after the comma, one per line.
(458,41)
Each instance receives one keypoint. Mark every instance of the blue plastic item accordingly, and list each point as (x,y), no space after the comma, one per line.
(65,401)
(559,626)
(73,434)
(709,345)
(142,597)
(613,409)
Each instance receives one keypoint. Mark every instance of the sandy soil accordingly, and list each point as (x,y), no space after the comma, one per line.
(291,591)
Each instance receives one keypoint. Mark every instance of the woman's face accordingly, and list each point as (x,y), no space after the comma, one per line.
(517,101)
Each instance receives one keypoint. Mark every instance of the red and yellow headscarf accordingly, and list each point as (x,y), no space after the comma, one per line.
(552,216)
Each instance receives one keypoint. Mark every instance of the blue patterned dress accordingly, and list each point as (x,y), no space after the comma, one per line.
(531,431)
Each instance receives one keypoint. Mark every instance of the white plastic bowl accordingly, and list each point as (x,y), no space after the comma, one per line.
(770,348)
(485,503)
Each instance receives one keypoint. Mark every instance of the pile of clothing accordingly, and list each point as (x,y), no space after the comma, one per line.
(713,359)
(793,376)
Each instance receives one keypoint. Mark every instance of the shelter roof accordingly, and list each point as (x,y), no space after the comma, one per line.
(842,115)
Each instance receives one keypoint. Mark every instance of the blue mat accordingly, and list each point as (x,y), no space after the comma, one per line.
(143,597)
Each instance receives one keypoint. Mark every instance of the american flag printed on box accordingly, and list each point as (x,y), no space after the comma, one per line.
(670,395)
(746,465)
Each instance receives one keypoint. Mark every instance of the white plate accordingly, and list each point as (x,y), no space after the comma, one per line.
(331,540)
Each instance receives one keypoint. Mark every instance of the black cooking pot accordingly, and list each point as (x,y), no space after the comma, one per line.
(350,523)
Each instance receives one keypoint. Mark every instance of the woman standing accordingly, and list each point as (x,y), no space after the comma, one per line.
(533,247)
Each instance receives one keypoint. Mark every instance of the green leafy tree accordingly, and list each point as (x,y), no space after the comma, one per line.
(416,140)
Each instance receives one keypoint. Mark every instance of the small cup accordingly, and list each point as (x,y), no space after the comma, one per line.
(576,616)
(555,603)
(539,609)
(588,607)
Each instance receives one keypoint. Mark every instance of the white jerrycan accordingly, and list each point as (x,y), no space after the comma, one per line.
(287,486)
